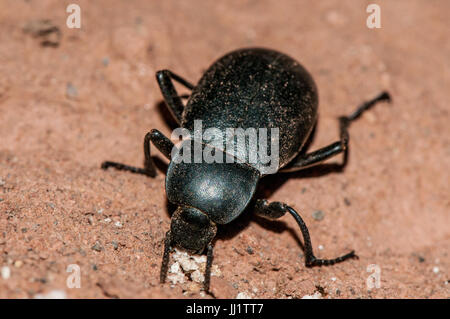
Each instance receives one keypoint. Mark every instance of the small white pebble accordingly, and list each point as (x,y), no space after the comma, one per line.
(189,266)
(53,294)
(175,268)
(320,247)
(107,220)
(6,272)
(176,278)
(436,270)
(198,276)
(199,259)
(243,295)
(188,263)
(118,224)
(316,295)
(333,278)
(215,271)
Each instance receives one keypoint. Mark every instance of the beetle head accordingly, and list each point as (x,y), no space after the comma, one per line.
(191,229)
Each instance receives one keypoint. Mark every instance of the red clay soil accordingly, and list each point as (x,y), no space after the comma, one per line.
(68,103)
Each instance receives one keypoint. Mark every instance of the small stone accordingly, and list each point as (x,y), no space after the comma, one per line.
(54,294)
(320,247)
(6,272)
(71,91)
(347,201)
(107,220)
(243,295)
(175,268)
(215,271)
(44,255)
(316,295)
(118,224)
(249,250)
(318,215)
(198,276)
(115,245)
(436,270)
(176,275)
(18,263)
(188,263)
(105,61)
(97,246)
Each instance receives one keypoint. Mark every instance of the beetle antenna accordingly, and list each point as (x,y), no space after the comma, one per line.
(310,259)
(166,255)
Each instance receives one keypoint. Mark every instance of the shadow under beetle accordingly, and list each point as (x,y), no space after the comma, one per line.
(247,88)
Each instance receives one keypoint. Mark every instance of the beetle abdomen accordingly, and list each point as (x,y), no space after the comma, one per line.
(256,88)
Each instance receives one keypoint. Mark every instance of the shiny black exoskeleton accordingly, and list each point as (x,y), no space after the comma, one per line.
(248,88)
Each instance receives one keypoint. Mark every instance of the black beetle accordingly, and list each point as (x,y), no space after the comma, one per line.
(247,88)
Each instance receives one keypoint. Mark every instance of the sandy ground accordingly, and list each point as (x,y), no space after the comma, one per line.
(66,108)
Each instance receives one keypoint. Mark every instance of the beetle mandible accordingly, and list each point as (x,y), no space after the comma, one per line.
(247,88)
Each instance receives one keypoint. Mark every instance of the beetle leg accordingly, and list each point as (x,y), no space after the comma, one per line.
(275,210)
(209,259)
(163,143)
(171,97)
(307,160)
(165,260)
